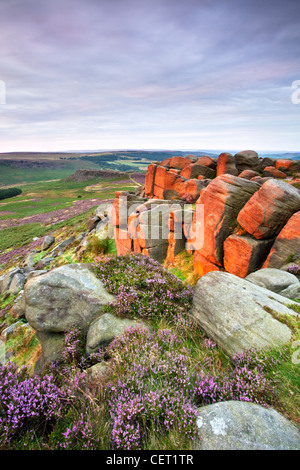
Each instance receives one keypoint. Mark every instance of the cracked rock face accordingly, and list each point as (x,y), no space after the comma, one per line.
(239,315)
(237,425)
(66,296)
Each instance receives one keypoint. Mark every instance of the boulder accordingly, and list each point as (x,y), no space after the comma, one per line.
(263,162)
(292,292)
(248,174)
(19,306)
(273,172)
(238,425)
(64,244)
(269,209)
(243,254)
(235,314)
(246,160)
(66,296)
(104,230)
(6,279)
(226,165)
(17,283)
(47,242)
(96,373)
(105,328)
(275,280)
(286,244)
(207,161)
(222,199)
(179,162)
(195,169)
(287,166)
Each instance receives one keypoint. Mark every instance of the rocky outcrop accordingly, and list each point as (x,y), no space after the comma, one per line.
(266,213)
(243,214)
(238,425)
(223,198)
(287,243)
(237,314)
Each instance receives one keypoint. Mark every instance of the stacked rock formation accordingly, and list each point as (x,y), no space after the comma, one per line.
(247,219)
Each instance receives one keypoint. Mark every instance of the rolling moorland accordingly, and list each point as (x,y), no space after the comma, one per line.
(149,382)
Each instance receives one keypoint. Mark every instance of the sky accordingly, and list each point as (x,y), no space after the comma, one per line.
(149,74)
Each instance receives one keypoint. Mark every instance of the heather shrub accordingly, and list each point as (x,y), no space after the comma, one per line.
(143,288)
(153,395)
(28,405)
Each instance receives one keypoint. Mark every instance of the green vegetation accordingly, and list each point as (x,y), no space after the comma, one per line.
(9,192)
(20,235)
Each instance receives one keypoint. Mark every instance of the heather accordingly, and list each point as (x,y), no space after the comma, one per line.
(143,288)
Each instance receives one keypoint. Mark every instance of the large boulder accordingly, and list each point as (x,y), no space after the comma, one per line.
(273,172)
(238,425)
(222,199)
(246,160)
(105,328)
(275,280)
(226,165)
(237,314)
(243,254)
(287,166)
(66,296)
(269,209)
(286,244)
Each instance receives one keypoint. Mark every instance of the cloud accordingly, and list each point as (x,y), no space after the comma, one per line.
(114,72)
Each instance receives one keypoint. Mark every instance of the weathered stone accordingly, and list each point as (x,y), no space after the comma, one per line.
(158,252)
(269,209)
(202,265)
(226,165)
(96,373)
(207,161)
(263,162)
(52,346)
(6,279)
(286,244)
(195,169)
(104,230)
(275,280)
(19,306)
(47,242)
(287,166)
(17,283)
(222,199)
(248,174)
(105,328)
(179,162)
(273,172)
(149,180)
(243,254)
(66,296)
(235,313)
(292,292)
(238,425)
(246,160)
(64,244)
